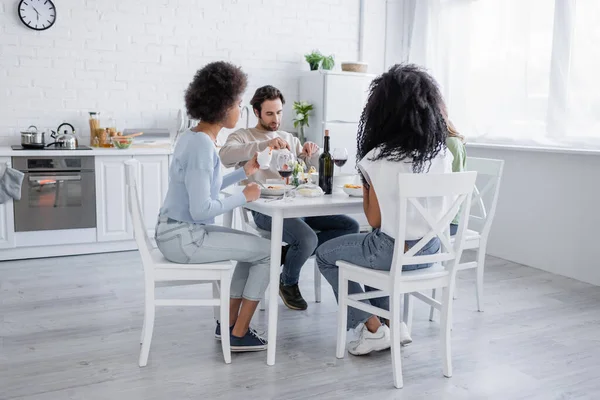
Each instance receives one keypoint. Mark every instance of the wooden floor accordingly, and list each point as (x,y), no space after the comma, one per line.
(70,327)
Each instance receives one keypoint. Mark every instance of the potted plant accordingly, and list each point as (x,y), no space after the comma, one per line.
(314,59)
(302,110)
(328,62)
(298,167)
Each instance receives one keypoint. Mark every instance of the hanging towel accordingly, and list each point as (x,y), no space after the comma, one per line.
(10,185)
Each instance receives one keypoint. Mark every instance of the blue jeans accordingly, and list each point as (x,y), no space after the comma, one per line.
(185,243)
(300,235)
(370,250)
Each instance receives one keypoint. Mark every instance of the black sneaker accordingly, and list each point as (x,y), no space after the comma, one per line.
(218,331)
(292,297)
(251,341)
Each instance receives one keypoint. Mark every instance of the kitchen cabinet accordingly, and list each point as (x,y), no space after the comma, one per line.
(7,224)
(153,182)
(112,215)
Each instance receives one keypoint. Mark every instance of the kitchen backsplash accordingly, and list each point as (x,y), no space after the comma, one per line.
(133,59)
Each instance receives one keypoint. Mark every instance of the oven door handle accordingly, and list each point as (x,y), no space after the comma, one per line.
(41,179)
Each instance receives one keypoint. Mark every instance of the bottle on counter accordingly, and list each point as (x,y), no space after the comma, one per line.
(326,167)
(94,126)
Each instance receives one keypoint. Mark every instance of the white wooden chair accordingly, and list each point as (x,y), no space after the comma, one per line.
(248,225)
(396,283)
(159,272)
(481,216)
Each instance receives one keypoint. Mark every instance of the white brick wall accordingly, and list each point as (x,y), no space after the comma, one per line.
(132,59)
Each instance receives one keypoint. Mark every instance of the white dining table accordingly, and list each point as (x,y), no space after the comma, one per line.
(336,203)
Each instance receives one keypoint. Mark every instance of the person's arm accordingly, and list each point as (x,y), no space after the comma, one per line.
(236,150)
(233,177)
(457,148)
(202,207)
(371,206)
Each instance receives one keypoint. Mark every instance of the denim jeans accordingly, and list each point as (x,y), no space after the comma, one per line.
(186,243)
(453,229)
(300,234)
(370,250)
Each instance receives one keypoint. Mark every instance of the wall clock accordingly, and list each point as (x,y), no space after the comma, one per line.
(38,15)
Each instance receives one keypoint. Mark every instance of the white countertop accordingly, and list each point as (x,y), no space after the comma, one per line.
(6,151)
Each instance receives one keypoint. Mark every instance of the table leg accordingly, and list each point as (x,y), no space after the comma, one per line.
(276,239)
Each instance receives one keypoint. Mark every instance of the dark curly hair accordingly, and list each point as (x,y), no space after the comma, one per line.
(263,94)
(214,90)
(403,118)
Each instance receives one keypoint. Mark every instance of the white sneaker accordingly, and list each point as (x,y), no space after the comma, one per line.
(405,338)
(368,342)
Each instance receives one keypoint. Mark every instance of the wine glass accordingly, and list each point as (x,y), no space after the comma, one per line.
(284,162)
(340,156)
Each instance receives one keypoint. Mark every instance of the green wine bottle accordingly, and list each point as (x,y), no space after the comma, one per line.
(326,167)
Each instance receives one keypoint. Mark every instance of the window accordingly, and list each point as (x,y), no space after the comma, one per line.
(514,71)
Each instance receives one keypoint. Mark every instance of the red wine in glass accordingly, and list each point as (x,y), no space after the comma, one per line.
(340,162)
(285,173)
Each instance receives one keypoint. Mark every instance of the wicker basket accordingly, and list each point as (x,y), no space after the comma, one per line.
(354,66)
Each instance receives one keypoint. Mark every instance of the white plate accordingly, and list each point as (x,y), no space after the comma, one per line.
(274,189)
(353,192)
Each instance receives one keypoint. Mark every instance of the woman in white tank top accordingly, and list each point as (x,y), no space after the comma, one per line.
(401,129)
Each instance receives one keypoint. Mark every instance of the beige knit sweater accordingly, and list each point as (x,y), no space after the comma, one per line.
(243,143)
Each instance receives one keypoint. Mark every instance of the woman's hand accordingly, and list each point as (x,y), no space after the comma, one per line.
(251,166)
(252,192)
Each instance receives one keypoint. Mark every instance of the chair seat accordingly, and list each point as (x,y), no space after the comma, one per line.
(471,239)
(160,261)
(435,271)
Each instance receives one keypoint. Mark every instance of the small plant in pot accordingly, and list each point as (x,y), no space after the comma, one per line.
(328,62)
(314,59)
(302,110)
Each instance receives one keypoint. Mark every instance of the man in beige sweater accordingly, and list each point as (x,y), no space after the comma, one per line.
(298,233)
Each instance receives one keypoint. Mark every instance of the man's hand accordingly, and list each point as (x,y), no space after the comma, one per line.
(310,148)
(252,192)
(251,166)
(278,144)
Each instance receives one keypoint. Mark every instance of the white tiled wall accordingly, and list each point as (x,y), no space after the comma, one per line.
(132,59)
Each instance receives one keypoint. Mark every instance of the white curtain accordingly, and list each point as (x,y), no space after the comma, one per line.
(513,71)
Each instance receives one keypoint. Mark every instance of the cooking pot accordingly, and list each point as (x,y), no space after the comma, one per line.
(31,138)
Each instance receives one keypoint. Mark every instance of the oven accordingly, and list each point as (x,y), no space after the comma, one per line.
(57,193)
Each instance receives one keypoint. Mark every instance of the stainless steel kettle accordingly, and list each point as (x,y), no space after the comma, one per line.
(65,140)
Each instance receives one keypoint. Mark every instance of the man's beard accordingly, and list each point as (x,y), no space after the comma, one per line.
(268,127)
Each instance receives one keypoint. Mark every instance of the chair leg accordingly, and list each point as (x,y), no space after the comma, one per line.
(395,339)
(432,308)
(407,315)
(446,327)
(342,315)
(317,284)
(224,315)
(455,295)
(480,269)
(215,295)
(148,326)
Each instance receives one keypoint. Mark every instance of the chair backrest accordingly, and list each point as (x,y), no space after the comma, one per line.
(485,195)
(135,210)
(457,189)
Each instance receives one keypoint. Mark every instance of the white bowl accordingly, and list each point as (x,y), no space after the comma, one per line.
(352,192)
(338,180)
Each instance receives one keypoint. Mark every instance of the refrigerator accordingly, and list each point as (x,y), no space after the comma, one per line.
(338,99)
